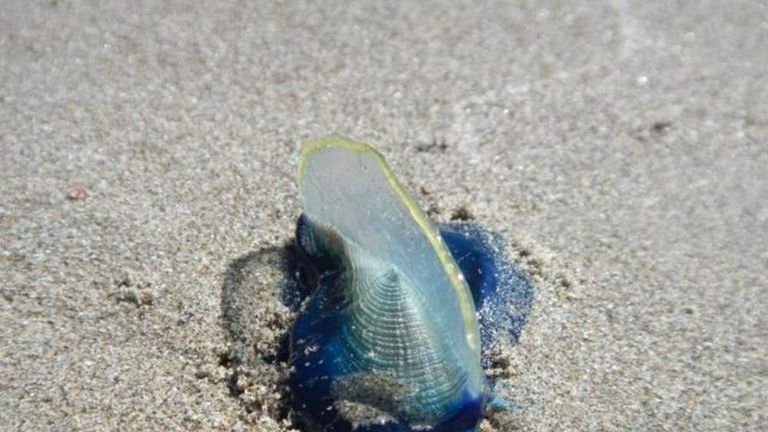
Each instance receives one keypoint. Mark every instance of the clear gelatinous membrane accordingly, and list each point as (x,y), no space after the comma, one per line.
(389,339)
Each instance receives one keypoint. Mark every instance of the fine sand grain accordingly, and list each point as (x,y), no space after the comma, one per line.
(147,198)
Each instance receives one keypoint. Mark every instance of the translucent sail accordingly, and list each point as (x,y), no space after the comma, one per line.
(347,188)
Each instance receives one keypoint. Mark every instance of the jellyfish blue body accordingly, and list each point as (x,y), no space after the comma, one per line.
(502,294)
(398,311)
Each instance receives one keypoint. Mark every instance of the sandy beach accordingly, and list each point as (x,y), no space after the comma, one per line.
(148,198)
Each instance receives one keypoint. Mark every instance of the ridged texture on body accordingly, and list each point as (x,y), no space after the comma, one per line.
(389,331)
(399,317)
